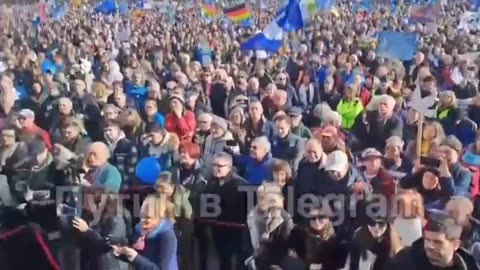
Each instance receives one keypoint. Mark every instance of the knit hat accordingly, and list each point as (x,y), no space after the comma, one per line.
(177,97)
(452,142)
(220,122)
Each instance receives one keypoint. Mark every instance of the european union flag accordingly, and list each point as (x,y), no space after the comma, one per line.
(397,45)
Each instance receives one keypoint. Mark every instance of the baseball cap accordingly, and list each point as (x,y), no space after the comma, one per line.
(26,113)
(371,152)
(295,111)
(336,161)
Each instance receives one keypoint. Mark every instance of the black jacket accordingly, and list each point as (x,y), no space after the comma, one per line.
(232,200)
(414,258)
(375,134)
(330,253)
(125,159)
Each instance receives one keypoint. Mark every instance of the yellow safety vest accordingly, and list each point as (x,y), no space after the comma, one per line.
(349,110)
(443,114)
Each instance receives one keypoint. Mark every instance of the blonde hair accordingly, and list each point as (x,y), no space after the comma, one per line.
(159,206)
(99,90)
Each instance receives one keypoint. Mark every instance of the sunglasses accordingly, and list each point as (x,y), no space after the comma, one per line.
(318,217)
(378,223)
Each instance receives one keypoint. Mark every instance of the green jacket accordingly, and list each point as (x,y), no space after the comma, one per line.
(302,131)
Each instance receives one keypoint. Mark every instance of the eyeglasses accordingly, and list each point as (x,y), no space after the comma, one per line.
(202,122)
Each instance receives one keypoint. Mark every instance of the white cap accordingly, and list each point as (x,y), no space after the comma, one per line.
(337,161)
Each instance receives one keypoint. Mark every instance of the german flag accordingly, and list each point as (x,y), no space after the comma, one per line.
(238,13)
(210,11)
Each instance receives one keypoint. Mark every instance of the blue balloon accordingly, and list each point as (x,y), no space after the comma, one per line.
(49,67)
(148,170)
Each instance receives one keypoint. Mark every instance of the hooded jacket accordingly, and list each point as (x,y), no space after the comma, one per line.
(160,252)
(165,152)
(215,145)
(414,258)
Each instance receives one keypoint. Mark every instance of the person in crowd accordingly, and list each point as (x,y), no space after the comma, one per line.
(28,128)
(376,126)
(448,112)
(349,107)
(298,128)
(471,153)
(74,136)
(95,252)
(230,222)
(283,177)
(204,124)
(377,176)
(286,145)
(329,94)
(237,127)
(99,172)
(310,170)
(461,210)
(269,225)
(432,132)
(436,185)
(160,144)
(255,167)
(152,116)
(220,138)
(65,111)
(123,153)
(180,120)
(374,244)
(257,125)
(450,149)
(316,242)
(408,211)
(179,196)
(438,248)
(155,241)
(394,158)
(12,151)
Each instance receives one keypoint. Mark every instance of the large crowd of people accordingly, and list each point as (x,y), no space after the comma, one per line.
(314,157)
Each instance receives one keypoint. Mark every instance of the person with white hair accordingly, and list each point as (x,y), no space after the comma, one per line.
(255,167)
(376,126)
(100,173)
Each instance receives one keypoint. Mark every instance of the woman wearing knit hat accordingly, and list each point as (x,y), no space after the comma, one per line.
(180,120)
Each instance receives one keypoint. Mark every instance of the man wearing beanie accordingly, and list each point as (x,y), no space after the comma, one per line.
(180,120)
(450,149)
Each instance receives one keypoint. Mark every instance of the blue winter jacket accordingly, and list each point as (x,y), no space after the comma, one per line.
(255,172)
(160,252)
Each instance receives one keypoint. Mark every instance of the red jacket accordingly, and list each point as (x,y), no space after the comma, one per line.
(35,130)
(184,127)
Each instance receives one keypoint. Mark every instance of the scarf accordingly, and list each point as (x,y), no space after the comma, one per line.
(140,243)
